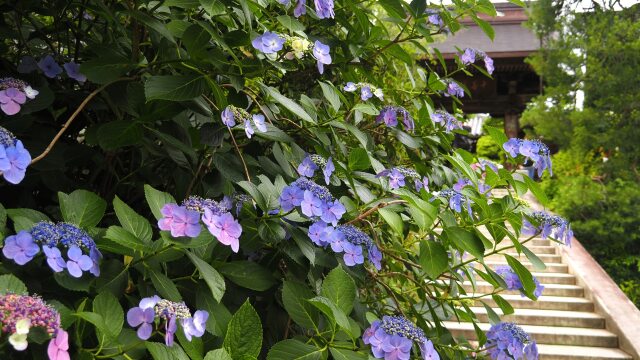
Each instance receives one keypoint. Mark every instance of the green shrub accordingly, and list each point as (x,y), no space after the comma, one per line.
(489,148)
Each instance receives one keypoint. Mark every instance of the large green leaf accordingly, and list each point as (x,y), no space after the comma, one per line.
(294,296)
(244,333)
(291,349)
(359,159)
(465,240)
(131,221)
(340,288)
(11,284)
(106,67)
(165,287)
(119,133)
(157,199)
(287,103)
(107,306)
(248,274)
(214,280)
(82,208)
(218,354)
(24,219)
(124,238)
(344,354)
(162,352)
(433,258)
(174,87)
(525,275)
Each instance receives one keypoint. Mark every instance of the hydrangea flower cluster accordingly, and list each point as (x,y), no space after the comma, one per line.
(13,94)
(153,310)
(271,43)
(50,68)
(550,225)
(535,150)
(508,341)
(14,158)
(470,55)
(82,252)
(324,8)
(367,91)
(434,17)
(346,239)
(184,220)
(231,113)
(463,182)
(315,201)
(456,200)
(453,89)
(393,337)
(449,121)
(20,313)
(513,280)
(483,164)
(397,175)
(310,164)
(389,116)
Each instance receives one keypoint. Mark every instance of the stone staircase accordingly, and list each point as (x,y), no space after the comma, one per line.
(563,321)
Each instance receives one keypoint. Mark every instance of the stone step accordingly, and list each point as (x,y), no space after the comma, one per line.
(558,318)
(551,267)
(539,242)
(483,287)
(546,334)
(551,278)
(538,250)
(568,352)
(545,258)
(545,302)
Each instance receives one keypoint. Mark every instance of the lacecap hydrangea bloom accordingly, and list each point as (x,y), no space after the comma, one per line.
(310,164)
(455,199)
(49,67)
(20,313)
(268,43)
(14,158)
(367,91)
(392,338)
(508,341)
(315,201)
(82,254)
(434,17)
(231,113)
(397,178)
(453,89)
(549,225)
(513,280)
(469,56)
(535,150)
(389,116)
(348,240)
(13,94)
(324,8)
(155,311)
(184,220)
(447,120)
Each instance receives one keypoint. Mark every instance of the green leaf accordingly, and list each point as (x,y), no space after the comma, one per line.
(458,162)
(218,354)
(248,274)
(344,354)
(213,7)
(82,208)
(486,27)
(291,349)
(292,24)
(288,103)
(503,304)
(332,312)
(294,296)
(497,135)
(164,285)
(494,318)
(119,133)
(106,67)
(274,134)
(535,260)
(525,276)
(330,93)
(366,108)
(154,24)
(24,219)
(359,159)
(11,284)
(340,288)
(162,352)
(433,258)
(214,280)
(196,39)
(465,240)
(124,238)
(97,320)
(107,306)
(174,87)
(393,219)
(244,333)
(536,190)
(131,221)
(157,199)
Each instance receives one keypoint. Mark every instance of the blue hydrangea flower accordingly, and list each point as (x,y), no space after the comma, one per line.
(513,281)
(49,67)
(549,226)
(248,129)
(328,169)
(365,93)
(332,212)
(14,158)
(469,57)
(455,200)
(300,8)
(350,87)
(396,176)
(228,117)
(422,184)
(268,43)
(389,116)
(508,341)
(291,198)
(73,71)
(349,234)
(535,150)
(393,337)
(307,167)
(453,89)
(20,247)
(449,121)
(311,205)
(259,122)
(78,262)
(434,17)
(352,254)
(324,8)
(322,54)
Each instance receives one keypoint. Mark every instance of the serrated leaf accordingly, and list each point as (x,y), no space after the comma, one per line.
(162,352)
(157,199)
(165,287)
(433,258)
(82,208)
(214,280)
(174,87)
(293,298)
(248,274)
(218,354)
(340,288)
(107,306)
(132,221)
(291,349)
(344,354)
(11,284)
(244,333)
(359,159)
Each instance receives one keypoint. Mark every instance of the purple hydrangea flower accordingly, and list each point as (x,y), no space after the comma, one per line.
(549,225)
(393,337)
(143,316)
(422,184)
(228,117)
(322,54)
(407,121)
(259,121)
(268,43)
(324,8)
(73,71)
(248,129)
(512,146)
(455,200)
(397,347)
(535,150)
(388,116)
(78,262)
(291,198)
(300,8)
(170,329)
(180,221)
(468,56)
(396,179)
(49,67)
(428,351)
(332,212)
(328,169)
(444,118)
(196,325)
(453,89)
(20,247)
(224,227)
(350,87)
(316,232)
(488,64)
(509,341)
(11,99)
(58,348)
(311,205)
(365,93)
(307,167)
(434,17)
(54,258)
(14,160)
(352,254)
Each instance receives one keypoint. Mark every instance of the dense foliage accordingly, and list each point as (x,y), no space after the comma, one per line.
(234,179)
(588,63)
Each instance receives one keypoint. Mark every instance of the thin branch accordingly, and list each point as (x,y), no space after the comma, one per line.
(374,209)
(244,164)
